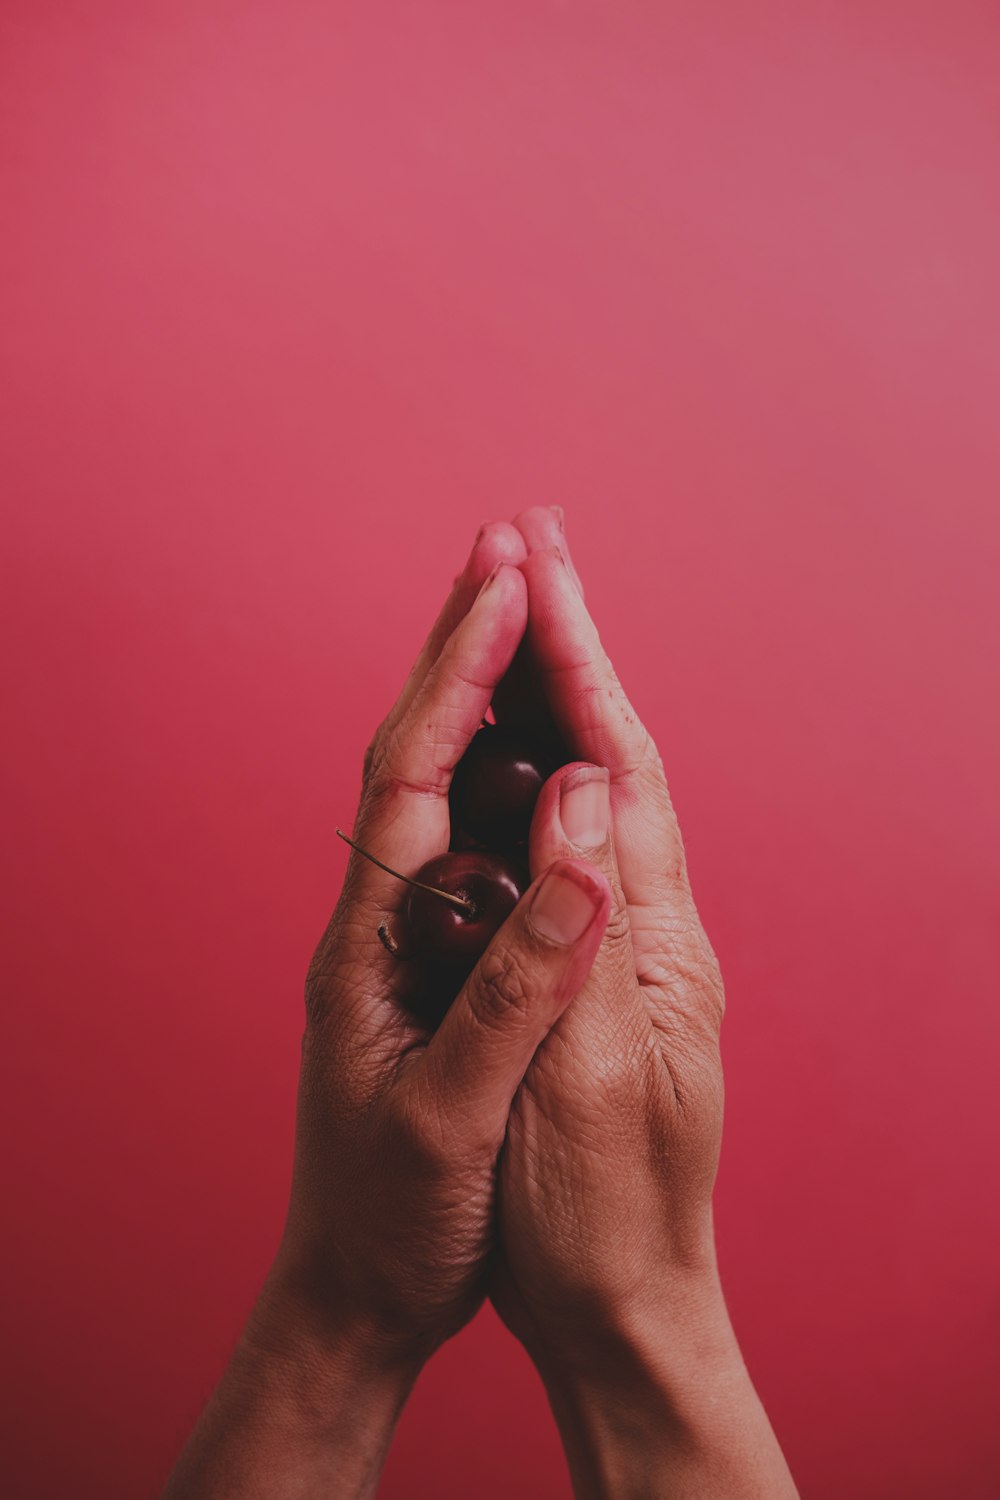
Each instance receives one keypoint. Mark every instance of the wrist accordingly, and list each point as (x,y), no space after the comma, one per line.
(307,1405)
(657,1399)
(650,1351)
(328,1365)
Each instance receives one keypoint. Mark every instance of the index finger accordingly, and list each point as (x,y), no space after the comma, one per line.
(496,542)
(404,818)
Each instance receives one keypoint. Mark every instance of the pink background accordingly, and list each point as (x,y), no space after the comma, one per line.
(293,297)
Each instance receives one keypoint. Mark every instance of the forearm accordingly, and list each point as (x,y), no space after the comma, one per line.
(303,1410)
(661,1405)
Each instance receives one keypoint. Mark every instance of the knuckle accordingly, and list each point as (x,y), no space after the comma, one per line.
(502,987)
(590,705)
(417,758)
(695,973)
(696,1083)
(618,933)
(691,983)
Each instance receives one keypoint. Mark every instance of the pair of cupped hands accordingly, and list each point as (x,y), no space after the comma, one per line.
(551,1145)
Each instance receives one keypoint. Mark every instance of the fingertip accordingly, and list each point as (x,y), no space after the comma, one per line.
(496,542)
(499,541)
(540,525)
(505,584)
(543,528)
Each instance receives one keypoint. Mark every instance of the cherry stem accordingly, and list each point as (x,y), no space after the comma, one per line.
(460,901)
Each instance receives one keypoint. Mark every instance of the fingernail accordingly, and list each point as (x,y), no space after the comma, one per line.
(585,808)
(480,534)
(564,906)
(489,578)
(560,516)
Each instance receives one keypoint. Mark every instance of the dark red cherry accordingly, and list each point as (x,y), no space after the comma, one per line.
(488,885)
(454,905)
(496,785)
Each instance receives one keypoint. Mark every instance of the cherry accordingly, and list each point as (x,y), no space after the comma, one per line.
(496,785)
(489,885)
(455,903)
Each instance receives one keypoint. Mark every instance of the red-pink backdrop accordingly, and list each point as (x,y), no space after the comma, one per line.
(294,296)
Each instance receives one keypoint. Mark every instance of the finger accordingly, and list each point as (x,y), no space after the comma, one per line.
(403,819)
(536,963)
(612,1015)
(496,542)
(520,698)
(545,526)
(572,820)
(646,949)
(601,726)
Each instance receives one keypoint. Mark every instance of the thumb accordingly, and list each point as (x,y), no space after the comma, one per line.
(536,963)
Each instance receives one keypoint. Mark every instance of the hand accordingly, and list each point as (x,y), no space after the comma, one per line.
(392,1211)
(392,1219)
(614,1138)
(609,1275)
